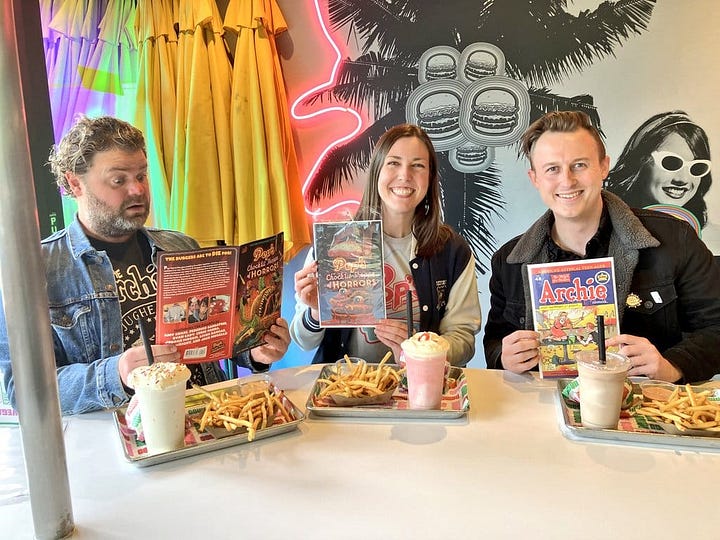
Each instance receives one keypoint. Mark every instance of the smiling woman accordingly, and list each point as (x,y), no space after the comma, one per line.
(665,161)
(422,256)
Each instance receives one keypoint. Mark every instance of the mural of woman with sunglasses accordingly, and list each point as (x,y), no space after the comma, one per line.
(665,162)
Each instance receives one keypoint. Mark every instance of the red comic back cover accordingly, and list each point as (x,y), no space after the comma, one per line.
(196,293)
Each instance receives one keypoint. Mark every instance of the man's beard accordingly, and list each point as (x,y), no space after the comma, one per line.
(110,224)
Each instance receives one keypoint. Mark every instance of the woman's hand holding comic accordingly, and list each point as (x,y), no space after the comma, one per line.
(306,288)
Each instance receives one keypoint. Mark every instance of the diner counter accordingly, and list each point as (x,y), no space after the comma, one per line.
(504,471)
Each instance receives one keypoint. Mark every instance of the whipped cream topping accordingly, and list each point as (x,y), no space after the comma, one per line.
(425,343)
(159,375)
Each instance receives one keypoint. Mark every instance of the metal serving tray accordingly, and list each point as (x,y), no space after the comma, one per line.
(632,428)
(197,442)
(455,402)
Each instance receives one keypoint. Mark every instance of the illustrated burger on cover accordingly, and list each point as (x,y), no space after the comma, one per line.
(351,288)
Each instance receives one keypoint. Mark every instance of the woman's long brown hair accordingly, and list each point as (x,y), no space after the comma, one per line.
(429,230)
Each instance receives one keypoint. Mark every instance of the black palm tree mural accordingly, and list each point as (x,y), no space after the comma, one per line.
(542,45)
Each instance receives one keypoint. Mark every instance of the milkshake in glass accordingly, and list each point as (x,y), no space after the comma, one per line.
(601,388)
(160,390)
(425,354)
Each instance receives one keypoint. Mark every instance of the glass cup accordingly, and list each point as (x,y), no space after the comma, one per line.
(425,355)
(601,388)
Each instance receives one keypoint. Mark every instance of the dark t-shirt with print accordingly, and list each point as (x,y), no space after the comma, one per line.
(135,277)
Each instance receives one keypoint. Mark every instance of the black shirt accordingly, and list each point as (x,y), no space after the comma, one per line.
(596,247)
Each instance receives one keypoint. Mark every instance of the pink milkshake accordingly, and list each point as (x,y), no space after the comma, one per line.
(425,355)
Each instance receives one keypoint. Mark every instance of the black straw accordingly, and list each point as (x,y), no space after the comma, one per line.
(409,310)
(146,342)
(601,338)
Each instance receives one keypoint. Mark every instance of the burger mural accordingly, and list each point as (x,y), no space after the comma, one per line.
(483,60)
(438,63)
(473,75)
(435,107)
(467,105)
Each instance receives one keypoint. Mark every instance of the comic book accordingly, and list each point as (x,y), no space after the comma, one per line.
(8,415)
(214,303)
(351,289)
(567,297)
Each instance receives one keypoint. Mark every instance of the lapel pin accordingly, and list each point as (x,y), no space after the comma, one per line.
(633,300)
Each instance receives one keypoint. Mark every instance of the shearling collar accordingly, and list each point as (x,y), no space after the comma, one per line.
(627,238)
(628,233)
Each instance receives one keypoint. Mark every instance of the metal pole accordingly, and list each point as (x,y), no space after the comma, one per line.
(22,278)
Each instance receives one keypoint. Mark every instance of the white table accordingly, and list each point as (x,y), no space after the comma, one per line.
(505,471)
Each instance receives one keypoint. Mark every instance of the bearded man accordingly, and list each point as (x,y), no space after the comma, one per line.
(101,273)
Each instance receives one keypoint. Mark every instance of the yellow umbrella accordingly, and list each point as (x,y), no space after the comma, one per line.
(202,195)
(112,62)
(155,113)
(269,198)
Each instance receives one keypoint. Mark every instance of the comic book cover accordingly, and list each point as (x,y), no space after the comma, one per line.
(351,289)
(567,297)
(213,303)
(259,297)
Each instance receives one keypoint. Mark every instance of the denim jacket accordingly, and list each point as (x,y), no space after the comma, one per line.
(85,316)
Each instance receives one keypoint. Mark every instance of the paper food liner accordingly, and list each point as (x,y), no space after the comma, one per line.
(345,401)
(571,392)
(657,389)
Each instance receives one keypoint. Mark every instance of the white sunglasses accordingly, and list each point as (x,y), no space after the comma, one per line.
(671,162)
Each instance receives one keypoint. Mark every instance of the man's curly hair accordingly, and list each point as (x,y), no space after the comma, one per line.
(76,150)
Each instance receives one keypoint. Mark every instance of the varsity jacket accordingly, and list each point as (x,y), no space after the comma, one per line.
(446,288)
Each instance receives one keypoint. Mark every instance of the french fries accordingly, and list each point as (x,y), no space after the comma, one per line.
(360,379)
(686,409)
(257,410)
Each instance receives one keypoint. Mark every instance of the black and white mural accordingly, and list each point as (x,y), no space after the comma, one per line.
(665,165)
(475,73)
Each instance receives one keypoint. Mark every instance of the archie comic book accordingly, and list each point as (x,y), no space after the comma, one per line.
(567,297)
